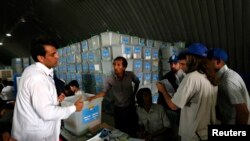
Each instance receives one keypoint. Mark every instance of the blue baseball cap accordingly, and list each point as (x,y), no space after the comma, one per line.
(218,53)
(197,49)
(173,58)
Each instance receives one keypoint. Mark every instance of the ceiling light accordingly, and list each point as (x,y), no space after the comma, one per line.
(1,43)
(22,20)
(8,34)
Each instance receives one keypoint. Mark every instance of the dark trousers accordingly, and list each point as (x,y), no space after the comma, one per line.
(126,120)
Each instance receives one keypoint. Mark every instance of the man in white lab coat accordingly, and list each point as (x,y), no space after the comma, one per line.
(37,114)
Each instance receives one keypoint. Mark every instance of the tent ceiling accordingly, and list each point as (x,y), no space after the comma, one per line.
(216,23)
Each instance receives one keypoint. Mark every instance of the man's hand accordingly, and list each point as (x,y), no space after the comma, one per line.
(79,104)
(61,97)
(160,87)
(101,94)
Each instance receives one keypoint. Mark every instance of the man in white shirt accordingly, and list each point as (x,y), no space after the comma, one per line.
(37,114)
(196,95)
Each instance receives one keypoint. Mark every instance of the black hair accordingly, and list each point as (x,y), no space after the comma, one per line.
(139,96)
(74,83)
(204,66)
(124,61)
(37,46)
(67,91)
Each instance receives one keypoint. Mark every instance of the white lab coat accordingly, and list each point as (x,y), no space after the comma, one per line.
(37,116)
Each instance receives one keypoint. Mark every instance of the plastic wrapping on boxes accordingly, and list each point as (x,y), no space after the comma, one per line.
(137,65)
(155,76)
(84,46)
(94,55)
(149,43)
(155,53)
(134,40)
(122,50)
(75,48)
(85,67)
(71,59)
(71,68)
(96,43)
(164,65)
(95,67)
(155,65)
(140,76)
(137,52)
(79,122)
(130,65)
(142,41)
(106,53)
(125,39)
(147,77)
(110,38)
(147,66)
(79,68)
(157,44)
(168,51)
(107,67)
(147,53)
(85,56)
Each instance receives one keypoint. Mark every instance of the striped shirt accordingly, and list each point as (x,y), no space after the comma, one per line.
(232,90)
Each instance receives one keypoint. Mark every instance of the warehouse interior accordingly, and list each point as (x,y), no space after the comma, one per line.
(214,23)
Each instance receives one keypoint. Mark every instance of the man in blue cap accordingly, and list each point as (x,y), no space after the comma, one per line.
(171,80)
(196,95)
(175,75)
(233,98)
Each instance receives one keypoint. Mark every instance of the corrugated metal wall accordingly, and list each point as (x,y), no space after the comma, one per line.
(217,23)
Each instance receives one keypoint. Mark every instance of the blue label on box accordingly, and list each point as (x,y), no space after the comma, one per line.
(98,79)
(147,65)
(147,76)
(85,68)
(139,75)
(155,98)
(91,56)
(84,45)
(138,64)
(84,56)
(79,67)
(79,77)
(90,114)
(155,77)
(137,49)
(91,67)
(68,50)
(69,76)
(155,54)
(141,41)
(105,53)
(73,76)
(148,52)
(127,50)
(125,40)
(71,59)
